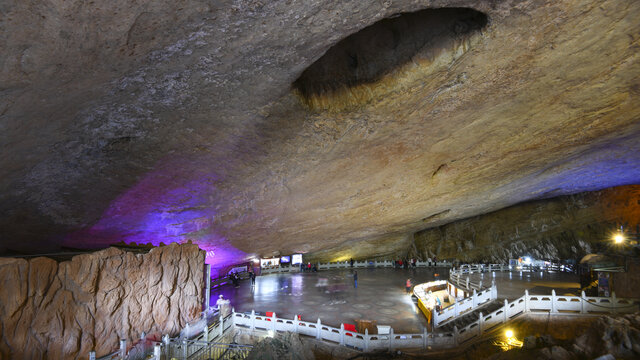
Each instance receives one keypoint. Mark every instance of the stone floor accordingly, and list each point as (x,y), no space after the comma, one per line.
(380,294)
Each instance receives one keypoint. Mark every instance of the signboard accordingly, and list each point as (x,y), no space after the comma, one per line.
(603,284)
(269,262)
(296,259)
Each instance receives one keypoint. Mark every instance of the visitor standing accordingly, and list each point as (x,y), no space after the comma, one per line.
(408,286)
(351,262)
(355,279)
(253,278)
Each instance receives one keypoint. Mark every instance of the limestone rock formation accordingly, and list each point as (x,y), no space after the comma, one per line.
(287,346)
(163,121)
(51,310)
(607,337)
(566,227)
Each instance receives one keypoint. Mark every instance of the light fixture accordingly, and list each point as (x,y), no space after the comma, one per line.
(508,333)
(618,238)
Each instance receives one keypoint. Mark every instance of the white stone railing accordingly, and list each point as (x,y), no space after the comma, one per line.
(543,304)
(546,304)
(465,282)
(540,304)
(347,265)
(365,342)
(279,270)
(377,264)
(466,305)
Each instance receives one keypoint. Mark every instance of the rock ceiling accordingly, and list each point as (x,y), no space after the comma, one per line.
(222,122)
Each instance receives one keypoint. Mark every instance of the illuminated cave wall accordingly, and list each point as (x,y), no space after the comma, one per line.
(51,310)
(564,227)
(163,208)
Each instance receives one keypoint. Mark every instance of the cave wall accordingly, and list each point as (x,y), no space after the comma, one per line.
(563,227)
(64,310)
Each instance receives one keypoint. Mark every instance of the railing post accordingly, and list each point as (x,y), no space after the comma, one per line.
(123,348)
(318,328)
(553,301)
(456,307)
(157,352)
(455,335)
(295,323)
(205,332)
(221,325)
(425,338)
(613,301)
(494,290)
(475,298)
(92,355)
(434,317)
(273,320)
(391,336)
(342,334)
(253,320)
(467,283)
(505,310)
(207,293)
(480,323)
(185,345)
(582,303)
(366,339)
(526,301)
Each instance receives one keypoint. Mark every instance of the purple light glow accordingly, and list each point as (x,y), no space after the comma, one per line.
(164,208)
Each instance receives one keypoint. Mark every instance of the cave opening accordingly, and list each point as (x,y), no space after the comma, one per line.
(385,46)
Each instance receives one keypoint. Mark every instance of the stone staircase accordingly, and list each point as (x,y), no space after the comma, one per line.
(468,317)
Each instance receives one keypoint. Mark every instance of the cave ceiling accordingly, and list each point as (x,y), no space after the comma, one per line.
(256,128)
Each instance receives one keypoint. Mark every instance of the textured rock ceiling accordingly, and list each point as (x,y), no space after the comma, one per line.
(164,121)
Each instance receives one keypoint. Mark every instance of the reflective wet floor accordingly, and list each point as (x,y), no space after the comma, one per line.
(380,295)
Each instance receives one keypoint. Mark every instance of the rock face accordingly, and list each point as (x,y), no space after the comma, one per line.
(163,121)
(283,346)
(565,227)
(609,337)
(51,310)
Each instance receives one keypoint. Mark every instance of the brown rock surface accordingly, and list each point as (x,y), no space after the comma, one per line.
(172,120)
(566,227)
(51,310)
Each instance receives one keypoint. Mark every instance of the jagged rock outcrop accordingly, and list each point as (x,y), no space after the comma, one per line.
(565,227)
(51,310)
(287,346)
(610,337)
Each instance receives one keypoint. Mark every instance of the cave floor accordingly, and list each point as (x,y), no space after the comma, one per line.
(380,294)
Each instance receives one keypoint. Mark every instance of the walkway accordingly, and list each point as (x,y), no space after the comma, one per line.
(380,294)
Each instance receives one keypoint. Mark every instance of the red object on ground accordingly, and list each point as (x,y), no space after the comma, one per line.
(270,314)
(349,327)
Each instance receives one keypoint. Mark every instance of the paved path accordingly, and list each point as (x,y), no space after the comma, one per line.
(380,294)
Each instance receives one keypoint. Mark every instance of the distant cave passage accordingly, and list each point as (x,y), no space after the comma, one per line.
(377,50)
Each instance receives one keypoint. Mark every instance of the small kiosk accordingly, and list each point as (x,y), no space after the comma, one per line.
(432,296)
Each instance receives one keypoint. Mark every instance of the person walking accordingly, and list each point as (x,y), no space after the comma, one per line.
(408,286)
(253,278)
(355,279)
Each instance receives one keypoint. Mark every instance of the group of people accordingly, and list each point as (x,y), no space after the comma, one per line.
(235,279)
(400,263)
(308,267)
